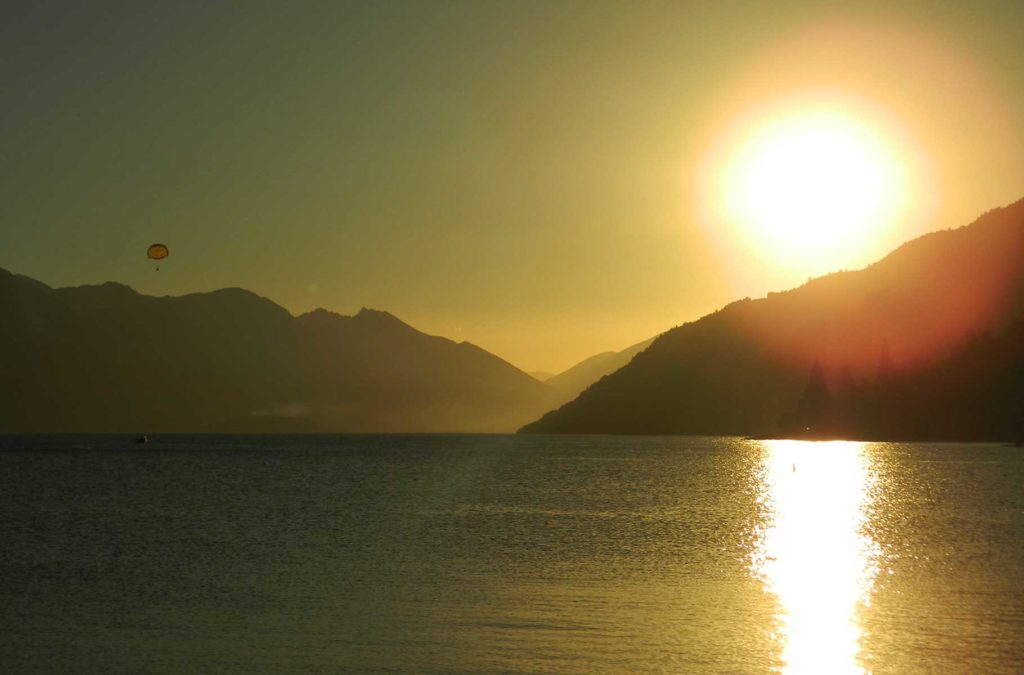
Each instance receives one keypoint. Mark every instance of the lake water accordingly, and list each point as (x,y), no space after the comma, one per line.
(478,554)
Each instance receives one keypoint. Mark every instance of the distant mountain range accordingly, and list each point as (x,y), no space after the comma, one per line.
(106,358)
(568,384)
(925,344)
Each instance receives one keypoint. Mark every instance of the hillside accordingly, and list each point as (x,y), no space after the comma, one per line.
(568,384)
(745,368)
(105,358)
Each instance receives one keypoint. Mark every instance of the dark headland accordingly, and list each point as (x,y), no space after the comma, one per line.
(925,344)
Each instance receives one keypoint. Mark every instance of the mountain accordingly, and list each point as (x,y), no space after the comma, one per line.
(568,384)
(896,341)
(392,372)
(106,358)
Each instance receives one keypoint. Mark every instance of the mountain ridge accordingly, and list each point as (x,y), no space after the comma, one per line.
(571,382)
(104,357)
(741,369)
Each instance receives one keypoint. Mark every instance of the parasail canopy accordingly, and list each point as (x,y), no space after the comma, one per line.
(157,252)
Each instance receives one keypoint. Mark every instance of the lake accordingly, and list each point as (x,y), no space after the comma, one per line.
(479,554)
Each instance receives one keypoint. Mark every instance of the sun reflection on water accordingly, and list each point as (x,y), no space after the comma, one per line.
(813,553)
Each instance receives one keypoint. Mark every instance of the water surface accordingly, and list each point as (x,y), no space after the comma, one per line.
(473,554)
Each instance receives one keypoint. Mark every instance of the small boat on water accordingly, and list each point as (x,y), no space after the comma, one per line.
(141,438)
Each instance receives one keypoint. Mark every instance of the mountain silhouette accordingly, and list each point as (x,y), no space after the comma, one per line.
(923,344)
(568,384)
(389,371)
(106,358)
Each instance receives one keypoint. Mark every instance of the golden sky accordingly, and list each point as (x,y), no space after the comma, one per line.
(546,180)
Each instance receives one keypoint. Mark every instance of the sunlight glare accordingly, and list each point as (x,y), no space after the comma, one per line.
(813,186)
(814,555)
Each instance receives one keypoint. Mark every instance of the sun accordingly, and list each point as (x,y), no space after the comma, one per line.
(812,188)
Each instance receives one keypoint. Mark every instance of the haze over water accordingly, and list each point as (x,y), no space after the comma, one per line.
(509,554)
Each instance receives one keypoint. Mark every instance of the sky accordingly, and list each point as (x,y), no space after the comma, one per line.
(543,179)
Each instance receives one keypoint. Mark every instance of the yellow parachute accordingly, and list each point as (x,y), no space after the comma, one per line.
(157,252)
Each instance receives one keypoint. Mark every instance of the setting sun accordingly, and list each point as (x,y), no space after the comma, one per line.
(812,186)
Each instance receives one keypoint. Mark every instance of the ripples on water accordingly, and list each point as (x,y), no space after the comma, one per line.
(509,554)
